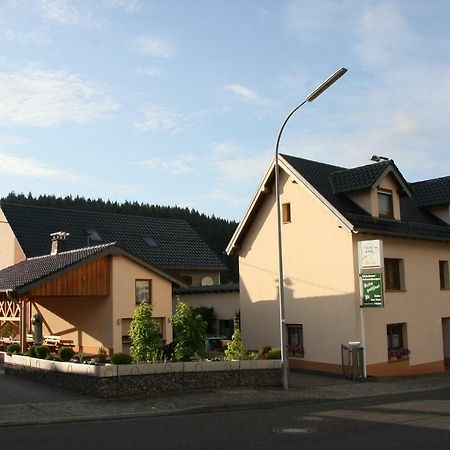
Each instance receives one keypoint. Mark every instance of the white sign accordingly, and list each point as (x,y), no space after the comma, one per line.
(370,254)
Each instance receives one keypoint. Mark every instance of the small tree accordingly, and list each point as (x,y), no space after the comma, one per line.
(235,349)
(144,334)
(190,332)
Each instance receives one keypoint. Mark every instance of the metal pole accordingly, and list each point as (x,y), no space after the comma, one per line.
(283,345)
(311,97)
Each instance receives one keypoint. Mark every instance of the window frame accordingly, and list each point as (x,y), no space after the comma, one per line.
(286,213)
(136,281)
(444,281)
(389,195)
(399,269)
(400,350)
(295,349)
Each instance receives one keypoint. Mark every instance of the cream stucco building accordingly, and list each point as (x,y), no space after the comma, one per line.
(326,211)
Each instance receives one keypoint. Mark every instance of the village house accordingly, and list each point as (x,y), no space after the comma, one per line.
(326,211)
(136,257)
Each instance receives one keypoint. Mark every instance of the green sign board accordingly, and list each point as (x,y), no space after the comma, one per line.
(372,290)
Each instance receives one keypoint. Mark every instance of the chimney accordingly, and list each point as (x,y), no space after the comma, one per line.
(59,242)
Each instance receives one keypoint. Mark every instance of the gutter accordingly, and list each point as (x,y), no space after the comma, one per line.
(11,296)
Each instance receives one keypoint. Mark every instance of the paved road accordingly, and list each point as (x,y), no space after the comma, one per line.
(409,421)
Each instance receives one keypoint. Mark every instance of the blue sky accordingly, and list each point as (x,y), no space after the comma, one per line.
(180,102)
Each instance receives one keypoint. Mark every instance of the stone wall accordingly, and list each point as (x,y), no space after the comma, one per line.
(148,384)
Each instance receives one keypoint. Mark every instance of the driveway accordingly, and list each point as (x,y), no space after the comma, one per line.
(20,390)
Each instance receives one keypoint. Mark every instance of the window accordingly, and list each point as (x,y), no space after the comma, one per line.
(286,212)
(385,206)
(295,340)
(443,275)
(394,274)
(143,291)
(397,341)
(151,242)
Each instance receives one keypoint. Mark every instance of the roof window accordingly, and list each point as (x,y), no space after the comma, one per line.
(93,237)
(151,242)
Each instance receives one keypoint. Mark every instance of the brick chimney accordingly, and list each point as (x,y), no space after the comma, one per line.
(59,242)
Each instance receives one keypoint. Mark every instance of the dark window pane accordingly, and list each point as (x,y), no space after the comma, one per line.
(392,274)
(385,208)
(143,291)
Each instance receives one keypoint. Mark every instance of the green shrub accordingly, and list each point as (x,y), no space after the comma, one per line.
(13,349)
(274,354)
(236,348)
(121,358)
(42,351)
(101,355)
(32,351)
(144,334)
(190,332)
(66,353)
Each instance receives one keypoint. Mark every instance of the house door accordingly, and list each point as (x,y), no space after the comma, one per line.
(446,341)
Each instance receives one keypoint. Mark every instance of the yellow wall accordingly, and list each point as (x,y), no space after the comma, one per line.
(124,274)
(95,321)
(225,304)
(318,264)
(422,304)
(10,250)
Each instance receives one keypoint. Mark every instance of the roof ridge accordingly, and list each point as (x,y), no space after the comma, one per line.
(93,212)
(314,162)
(385,163)
(446,177)
(75,250)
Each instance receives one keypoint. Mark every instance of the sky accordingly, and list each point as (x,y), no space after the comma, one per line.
(180,102)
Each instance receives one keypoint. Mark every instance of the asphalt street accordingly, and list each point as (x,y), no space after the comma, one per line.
(408,421)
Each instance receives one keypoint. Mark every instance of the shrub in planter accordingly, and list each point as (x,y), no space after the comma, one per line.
(121,358)
(13,349)
(42,351)
(101,355)
(275,353)
(66,353)
(32,351)
(235,349)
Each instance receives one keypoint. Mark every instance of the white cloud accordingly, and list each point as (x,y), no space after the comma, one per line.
(174,166)
(153,46)
(35,37)
(157,118)
(10,141)
(42,98)
(67,12)
(246,94)
(150,71)
(129,6)
(31,168)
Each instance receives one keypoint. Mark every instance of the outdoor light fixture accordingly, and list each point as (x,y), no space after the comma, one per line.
(311,97)
(376,158)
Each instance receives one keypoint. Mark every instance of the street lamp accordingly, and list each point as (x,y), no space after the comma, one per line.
(311,97)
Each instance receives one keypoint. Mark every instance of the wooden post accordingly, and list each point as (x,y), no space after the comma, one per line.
(23,326)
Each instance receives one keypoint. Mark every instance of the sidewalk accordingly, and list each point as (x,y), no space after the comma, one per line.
(303,388)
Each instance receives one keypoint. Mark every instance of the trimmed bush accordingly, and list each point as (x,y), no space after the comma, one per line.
(66,353)
(32,351)
(121,358)
(274,354)
(101,357)
(42,351)
(13,349)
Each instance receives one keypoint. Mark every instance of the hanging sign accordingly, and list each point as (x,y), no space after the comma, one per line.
(370,254)
(372,290)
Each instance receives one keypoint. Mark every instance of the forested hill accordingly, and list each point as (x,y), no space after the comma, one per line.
(214,231)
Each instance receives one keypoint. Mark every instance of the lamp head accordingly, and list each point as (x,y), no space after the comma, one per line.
(326,84)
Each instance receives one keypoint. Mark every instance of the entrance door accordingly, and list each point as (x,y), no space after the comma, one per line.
(446,341)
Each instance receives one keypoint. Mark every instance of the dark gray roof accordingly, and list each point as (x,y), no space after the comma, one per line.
(230,287)
(415,221)
(32,270)
(364,177)
(432,192)
(165,243)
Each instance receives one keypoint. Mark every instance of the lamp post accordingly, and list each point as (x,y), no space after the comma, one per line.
(311,97)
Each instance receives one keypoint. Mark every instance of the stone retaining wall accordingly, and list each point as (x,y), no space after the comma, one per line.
(146,384)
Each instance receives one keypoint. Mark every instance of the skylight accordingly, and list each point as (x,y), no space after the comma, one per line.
(151,242)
